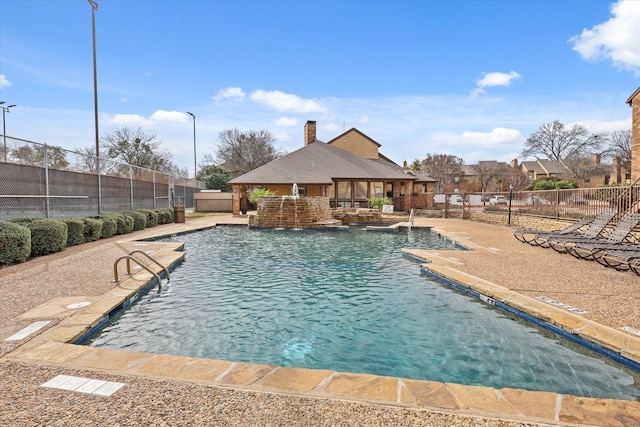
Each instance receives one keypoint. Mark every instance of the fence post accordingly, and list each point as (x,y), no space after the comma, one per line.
(99,185)
(131,187)
(154,189)
(46,181)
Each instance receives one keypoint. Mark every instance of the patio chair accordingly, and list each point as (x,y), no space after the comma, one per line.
(539,238)
(622,259)
(585,228)
(595,230)
(617,239)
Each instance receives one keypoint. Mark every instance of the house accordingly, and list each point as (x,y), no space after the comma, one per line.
(349,170)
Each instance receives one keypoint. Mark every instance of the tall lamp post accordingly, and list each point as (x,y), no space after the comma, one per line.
(195,167)
(94,7)
(4,126)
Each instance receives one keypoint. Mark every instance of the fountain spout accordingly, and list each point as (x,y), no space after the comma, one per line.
(294,191)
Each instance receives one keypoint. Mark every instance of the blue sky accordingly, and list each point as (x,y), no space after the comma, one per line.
(465,77)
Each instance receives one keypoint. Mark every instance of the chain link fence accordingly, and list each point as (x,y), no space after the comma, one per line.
(38,180)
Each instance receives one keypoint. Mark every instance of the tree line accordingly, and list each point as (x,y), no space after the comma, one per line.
(238,152)
(573,145)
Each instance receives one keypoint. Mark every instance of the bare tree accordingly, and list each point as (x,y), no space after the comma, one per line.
(442,167)
(620,146)
(241,152)
(486,175)
(86,160)
(136,148)
(554,141)
(26,155)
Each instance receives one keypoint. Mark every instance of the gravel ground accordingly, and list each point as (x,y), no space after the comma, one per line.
(147,402)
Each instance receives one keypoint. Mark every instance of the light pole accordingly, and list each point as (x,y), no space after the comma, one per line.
(94,7)
(4,126)
(195,167)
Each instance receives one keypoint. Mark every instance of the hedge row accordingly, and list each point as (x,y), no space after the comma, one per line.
(24,238)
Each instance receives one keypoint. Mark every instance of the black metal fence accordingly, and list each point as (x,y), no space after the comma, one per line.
(565,204)
(37,180)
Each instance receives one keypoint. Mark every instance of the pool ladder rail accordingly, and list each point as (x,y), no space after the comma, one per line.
(129,257)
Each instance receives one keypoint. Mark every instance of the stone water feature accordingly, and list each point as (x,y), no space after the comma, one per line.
(293,212)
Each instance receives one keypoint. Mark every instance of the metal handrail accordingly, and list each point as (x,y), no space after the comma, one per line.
(166,271)
(129,257)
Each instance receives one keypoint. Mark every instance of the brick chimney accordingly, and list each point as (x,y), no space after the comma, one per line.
(514,163)
(595,158)
(309,132)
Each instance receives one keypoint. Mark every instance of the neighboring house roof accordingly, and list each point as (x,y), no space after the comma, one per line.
(320,163)
(633,95)
(423,177)
(533,166)
(468,170)
(553,167)
(545,167)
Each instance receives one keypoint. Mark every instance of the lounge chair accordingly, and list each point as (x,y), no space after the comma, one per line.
(622,259)
(617,239)
(595,230)
(538,238)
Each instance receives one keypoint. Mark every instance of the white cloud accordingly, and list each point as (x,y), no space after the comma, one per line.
(127,120)
(168,116)
(4,82)
(497,137)
(286,121)
(595,126)
(123,99)
(233,93)
(494,79)
(281,101)
(148,74)
(616,39)
(160,117)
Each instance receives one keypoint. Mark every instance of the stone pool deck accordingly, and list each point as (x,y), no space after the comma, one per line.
(173,390)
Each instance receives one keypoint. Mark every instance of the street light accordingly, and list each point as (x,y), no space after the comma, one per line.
(94,7)
(195,167)
(4,126)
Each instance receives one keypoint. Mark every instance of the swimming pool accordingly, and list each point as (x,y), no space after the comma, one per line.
(349,301)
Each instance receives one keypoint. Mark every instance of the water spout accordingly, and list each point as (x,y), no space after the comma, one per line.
(294,191)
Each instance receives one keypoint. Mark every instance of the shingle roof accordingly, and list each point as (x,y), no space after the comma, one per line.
(553,166)
(533,166)
(320,163)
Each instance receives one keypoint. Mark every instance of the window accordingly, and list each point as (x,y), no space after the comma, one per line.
(376,189)
(360,190)
(344,190)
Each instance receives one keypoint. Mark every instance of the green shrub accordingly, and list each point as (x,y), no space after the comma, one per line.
(92,229)
(139,219)
(152,217)
(553,184)
(124,224)
(378,202)
(109,225)
(165,215)
(15,243)
(47,235)
(256,193)
(75,231)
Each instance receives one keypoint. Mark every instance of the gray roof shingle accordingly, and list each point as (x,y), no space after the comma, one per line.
(320,163)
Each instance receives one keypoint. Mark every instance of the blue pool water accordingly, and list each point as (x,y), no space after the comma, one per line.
(349,301)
